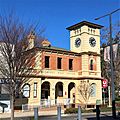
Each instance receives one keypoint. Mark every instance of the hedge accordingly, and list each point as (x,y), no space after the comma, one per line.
(102,109)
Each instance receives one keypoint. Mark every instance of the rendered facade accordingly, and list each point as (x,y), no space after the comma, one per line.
(59,74)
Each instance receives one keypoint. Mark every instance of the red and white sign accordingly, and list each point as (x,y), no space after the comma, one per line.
(104,83)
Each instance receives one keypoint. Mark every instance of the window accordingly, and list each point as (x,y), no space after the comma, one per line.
(91,64)
(59,60)
(93,90)
(70,64)
(26,90)
(35,90)
(47,61)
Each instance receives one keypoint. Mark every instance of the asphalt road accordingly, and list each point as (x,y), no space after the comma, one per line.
(68,117)
(85,117)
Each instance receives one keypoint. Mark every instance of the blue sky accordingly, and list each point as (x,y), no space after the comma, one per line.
(56,15)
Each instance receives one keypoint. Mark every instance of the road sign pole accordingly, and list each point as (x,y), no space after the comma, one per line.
(104,95)
(109,96)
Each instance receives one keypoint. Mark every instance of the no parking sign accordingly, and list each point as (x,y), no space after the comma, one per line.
(104,83)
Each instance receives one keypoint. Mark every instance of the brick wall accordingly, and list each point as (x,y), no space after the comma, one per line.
(65,61)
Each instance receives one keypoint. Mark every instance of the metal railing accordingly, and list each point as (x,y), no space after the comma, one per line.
(47,103)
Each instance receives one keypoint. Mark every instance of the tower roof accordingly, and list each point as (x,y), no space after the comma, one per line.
(84,23)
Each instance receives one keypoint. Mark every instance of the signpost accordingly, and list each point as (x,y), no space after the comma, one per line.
(104,85)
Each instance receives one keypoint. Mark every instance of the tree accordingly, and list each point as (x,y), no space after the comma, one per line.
(85,89)
(105,65)
(105,34)
(16,62)
(117,73)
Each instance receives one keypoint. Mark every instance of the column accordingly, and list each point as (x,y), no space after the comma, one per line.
(65,93)
(52,93)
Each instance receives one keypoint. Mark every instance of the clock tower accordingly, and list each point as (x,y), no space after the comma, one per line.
(85,39)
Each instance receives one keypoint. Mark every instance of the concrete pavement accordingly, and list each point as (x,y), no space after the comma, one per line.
(30,114)
(51,115)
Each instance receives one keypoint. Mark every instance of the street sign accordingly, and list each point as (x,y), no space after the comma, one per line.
(104,83)
(98,102)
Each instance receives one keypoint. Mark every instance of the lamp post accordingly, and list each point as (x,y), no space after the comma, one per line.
(111,61)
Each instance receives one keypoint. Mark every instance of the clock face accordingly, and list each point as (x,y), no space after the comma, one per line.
(77,42)
(92,41)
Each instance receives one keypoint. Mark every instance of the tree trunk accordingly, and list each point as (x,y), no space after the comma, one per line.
(12,107)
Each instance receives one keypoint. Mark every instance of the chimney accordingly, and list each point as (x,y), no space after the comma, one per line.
(45,43)
(31,40)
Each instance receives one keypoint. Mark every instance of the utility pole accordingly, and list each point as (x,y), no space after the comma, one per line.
(111,61)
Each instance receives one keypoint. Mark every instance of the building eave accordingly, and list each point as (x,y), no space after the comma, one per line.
(48,49)
(73,27)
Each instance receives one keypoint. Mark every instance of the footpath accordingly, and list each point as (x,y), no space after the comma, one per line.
(30,114)
(105,115)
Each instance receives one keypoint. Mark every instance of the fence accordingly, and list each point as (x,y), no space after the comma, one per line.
(47,103)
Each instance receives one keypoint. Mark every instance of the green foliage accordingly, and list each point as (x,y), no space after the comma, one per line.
(118,101)
(71,110)
(18,107)
(117,98)
(75,110)
(102,109)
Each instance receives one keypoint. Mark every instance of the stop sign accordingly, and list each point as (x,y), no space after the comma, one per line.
(104,83)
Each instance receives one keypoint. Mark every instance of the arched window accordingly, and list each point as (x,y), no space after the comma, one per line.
(93,90)
(91,64)
(26,90)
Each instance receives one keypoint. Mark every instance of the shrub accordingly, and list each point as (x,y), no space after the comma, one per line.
(117,98)
(71,110)
(18,108)
(88,111)
(75,110)
(102,108)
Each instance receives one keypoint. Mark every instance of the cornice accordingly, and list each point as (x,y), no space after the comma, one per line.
(62,77)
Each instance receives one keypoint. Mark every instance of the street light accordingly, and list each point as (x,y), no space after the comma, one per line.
(111,60)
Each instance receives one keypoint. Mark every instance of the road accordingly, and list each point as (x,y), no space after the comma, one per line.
(84,117)
(68,117)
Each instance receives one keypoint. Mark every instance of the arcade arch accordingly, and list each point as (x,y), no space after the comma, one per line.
(58,90)
(45,90)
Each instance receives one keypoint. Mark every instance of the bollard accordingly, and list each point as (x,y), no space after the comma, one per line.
(59,112)
(79,113)
(97,112)
(36,113)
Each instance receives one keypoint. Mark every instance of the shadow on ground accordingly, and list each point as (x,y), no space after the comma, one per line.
(104,118)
